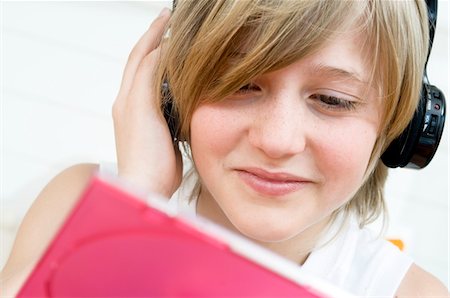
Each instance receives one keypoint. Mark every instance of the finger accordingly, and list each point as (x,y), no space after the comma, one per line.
(147,43)
(141,88)
(141,98)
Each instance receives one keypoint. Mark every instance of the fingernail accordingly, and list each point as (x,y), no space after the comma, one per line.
(164,12)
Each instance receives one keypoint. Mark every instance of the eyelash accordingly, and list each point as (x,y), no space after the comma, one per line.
(248,88)
(334,103)
(326,101)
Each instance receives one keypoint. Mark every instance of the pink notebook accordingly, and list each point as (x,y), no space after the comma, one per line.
(115,245)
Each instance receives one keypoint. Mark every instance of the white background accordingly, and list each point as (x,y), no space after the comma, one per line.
(60,70)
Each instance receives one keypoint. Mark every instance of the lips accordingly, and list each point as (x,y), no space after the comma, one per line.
(271,184)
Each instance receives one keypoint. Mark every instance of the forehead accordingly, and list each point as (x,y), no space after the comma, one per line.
(341,59)
(342,56)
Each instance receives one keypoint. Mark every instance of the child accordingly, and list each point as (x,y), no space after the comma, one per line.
(285,108)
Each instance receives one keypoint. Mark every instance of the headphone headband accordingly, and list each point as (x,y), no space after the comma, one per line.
(432,6)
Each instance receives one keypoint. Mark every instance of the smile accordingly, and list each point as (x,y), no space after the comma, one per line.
(271,184)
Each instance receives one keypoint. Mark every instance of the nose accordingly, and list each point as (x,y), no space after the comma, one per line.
(279,127)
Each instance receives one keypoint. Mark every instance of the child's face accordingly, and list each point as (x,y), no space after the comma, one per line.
(278,158)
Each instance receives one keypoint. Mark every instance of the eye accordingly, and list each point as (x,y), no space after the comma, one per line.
(334,103)
(251,87)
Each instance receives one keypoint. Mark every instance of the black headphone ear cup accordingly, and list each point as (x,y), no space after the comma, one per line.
(399,152)
(416,146)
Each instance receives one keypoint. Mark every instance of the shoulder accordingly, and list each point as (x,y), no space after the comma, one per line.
(376,266)
(42,220)
(393,272)
(419,283)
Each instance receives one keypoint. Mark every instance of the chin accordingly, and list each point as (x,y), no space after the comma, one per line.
(266,231)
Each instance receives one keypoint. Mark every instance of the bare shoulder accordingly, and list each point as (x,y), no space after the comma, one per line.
(419,283)
(41,222)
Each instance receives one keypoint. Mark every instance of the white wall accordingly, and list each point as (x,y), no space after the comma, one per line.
(61,67)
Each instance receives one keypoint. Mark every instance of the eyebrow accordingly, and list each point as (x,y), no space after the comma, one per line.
(337,73)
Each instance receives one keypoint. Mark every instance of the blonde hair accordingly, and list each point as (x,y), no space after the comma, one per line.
(215,47)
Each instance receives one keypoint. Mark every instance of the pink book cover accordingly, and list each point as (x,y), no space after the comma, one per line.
(114,244)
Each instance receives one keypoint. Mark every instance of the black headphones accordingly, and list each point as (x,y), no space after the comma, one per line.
(417,144)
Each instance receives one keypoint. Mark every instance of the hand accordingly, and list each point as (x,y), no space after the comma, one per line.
(146,156)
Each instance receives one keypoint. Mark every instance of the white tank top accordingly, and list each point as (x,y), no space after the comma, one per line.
(356,260)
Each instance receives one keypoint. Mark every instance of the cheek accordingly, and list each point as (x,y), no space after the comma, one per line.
(344,158)
(214,133)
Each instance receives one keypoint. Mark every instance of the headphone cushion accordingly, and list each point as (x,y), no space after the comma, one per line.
(400,151)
